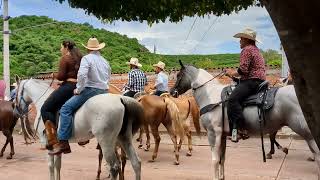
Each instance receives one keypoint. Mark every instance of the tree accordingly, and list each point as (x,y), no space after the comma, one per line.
(296,21)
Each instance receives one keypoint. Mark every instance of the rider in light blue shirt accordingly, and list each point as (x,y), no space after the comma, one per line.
(161,84)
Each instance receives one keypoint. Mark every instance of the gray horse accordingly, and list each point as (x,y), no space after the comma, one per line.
(285,112)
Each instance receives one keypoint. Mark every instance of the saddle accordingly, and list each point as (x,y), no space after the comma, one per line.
(264,98)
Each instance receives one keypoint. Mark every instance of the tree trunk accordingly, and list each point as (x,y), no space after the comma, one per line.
(297,23)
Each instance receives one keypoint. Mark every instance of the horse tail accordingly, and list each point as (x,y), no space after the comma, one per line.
(174,115)
(133,116)
(195,112)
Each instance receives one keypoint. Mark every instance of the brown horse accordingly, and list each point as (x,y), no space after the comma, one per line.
(7,124)
(187,106)
(159,110)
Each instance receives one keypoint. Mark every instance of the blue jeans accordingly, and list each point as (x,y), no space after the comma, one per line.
(68,110)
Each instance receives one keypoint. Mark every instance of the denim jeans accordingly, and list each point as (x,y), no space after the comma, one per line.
(68,110)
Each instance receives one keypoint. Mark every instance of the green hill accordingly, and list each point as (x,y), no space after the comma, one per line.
(37,49)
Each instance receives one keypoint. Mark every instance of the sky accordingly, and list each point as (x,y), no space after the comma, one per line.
(210,35)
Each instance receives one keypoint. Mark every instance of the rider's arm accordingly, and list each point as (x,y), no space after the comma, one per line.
(245,59)
(158,82)
(130,81)
(82,74)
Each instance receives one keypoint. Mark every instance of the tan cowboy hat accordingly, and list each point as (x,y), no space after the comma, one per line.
(135,62)
(160,65)
(249,34)
(94,45)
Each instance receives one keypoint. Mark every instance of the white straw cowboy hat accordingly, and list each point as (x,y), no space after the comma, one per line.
(94,45)
(249,34)
(135,62)
(160,65)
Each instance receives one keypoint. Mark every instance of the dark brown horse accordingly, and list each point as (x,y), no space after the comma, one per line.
(7,123)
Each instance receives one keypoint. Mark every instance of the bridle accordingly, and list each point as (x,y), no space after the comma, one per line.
(223,72)
(24,111)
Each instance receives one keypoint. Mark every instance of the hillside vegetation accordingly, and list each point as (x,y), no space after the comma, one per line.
(37,49)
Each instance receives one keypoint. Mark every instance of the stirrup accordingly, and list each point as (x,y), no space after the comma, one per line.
(234,135)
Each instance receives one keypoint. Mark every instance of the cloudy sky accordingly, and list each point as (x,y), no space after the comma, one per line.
(169,38)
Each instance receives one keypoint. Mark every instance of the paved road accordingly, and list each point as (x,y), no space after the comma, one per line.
(244,162)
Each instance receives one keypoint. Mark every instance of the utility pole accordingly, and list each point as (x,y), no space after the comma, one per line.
(6,33)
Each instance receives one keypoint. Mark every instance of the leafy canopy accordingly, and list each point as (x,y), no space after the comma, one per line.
(154,11)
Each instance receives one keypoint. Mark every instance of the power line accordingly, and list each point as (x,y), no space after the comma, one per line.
(204,34)
(192,26)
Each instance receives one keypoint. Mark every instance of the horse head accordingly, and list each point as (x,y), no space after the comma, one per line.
(183,82)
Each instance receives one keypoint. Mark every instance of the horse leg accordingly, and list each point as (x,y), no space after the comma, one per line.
(285,150)
(57,166)
(7,134)
(174,140)
(51,166)
(108,144)
(222,157)
(188,133)
(132,155)
(146,129)
(272,138)
(157,139)
(313,148)
(123,158)
(214,138)
(11,147)
(100,160)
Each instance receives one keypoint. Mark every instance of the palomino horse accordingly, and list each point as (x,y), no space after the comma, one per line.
(187,106)
(7,122)
(109,118)
(158,110)
(285,111)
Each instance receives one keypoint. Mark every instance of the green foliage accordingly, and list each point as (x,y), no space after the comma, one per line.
(158,10)
(34,50)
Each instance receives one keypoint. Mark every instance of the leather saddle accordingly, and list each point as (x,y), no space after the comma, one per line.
(264,98)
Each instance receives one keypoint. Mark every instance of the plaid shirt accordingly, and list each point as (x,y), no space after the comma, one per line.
(252,65)
(137,81)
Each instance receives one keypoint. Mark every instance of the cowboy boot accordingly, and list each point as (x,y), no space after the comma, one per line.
(62,147)
(51,134)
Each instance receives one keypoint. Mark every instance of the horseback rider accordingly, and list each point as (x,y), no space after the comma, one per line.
(68,69)
(161,84)
(252,73)
(136,78)
(93,78)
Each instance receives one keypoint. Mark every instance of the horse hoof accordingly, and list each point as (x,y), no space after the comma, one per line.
(9,157)
(151,161)
(285,150)
(269,156)
(1,155)
(146,149)
(176,163)
(140,146)
(189,154)
(311,159)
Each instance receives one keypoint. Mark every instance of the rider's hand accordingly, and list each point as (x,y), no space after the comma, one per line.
(230,72)
(76,92)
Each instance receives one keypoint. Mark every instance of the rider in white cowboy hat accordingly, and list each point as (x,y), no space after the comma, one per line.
(161,84)
(136,78)
(252,73)
(92,79)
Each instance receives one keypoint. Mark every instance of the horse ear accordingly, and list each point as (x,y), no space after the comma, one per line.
(181,64)
(17,78)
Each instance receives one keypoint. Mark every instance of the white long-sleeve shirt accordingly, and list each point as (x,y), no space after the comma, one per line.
(94,72)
